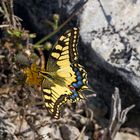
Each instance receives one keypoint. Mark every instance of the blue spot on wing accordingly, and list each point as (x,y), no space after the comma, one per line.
(77,85)
(78,73)
(79,78)
(75,69)
(75,95)
(80,83)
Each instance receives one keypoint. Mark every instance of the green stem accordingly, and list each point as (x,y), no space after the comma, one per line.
(59,28)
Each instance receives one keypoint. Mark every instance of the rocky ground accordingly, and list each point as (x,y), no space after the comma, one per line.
(108,49)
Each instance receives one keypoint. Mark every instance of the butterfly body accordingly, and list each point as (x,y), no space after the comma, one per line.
(63,78)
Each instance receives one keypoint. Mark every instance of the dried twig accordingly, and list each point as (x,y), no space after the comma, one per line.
(82,133)
(118,117)
(7,129)
(4,26)
(5,11)
(12,20)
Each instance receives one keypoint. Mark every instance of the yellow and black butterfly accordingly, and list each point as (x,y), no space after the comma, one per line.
(64,77)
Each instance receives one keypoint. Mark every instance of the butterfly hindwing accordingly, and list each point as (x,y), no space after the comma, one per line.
(64,77)
(52,99)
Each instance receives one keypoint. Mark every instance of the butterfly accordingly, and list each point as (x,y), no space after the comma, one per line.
(63,78)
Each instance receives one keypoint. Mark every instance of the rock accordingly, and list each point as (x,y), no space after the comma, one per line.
(110,33)
(50,132)
(126,136)
(115,40)
(71,132)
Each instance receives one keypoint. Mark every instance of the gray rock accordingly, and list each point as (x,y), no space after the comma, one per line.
(114,36)
(110,33)
(71,132)
(50,132)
